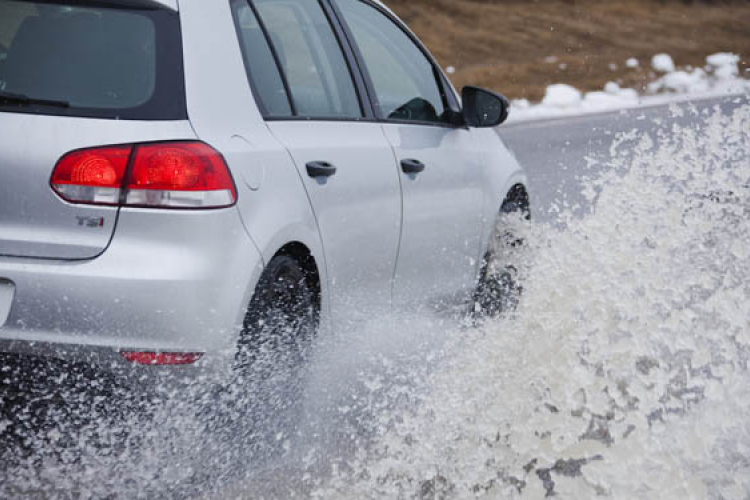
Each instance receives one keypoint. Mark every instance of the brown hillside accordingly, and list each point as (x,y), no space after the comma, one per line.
(509,45)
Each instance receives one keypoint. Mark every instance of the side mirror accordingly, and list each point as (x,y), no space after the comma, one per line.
(484,108)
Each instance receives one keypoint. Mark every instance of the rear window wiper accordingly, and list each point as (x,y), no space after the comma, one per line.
(24,100)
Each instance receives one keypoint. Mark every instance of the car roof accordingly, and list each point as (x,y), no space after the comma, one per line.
(173,4)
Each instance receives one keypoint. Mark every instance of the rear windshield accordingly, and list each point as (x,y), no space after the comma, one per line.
(81,59)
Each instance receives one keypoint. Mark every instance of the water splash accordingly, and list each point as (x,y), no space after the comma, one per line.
(624,371)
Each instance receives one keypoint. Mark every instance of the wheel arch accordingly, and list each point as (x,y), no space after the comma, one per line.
(300,242)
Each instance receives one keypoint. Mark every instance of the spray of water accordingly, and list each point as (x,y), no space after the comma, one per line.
(622,373)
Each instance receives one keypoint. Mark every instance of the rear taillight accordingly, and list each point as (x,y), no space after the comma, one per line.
(92,175)
(163,175)
(162,358)
(182,175)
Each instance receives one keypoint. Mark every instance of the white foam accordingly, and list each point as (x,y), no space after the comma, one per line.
(623,374)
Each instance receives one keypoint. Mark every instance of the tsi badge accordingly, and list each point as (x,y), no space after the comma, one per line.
(90,221)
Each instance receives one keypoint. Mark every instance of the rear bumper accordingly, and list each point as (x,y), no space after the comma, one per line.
(170,281)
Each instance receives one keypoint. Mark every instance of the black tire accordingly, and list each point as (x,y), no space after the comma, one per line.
(250,419)
(281,320)
(275,343)
(500,283)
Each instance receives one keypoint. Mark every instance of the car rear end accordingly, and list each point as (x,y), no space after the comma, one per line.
(121,247)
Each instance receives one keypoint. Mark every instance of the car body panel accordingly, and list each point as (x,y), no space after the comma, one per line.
(34,221)
(358,210)
(274,207)
(7,292)
(501,171)
(135,294)
(442,226)
(152,290)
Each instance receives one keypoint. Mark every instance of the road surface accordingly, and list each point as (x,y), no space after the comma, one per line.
(555,151)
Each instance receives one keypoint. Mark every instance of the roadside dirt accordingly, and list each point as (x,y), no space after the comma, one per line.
(519,47)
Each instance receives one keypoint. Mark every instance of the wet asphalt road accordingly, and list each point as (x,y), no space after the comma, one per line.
(555,151)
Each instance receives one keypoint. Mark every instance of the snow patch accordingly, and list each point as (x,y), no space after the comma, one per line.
(681,81)
(663,63)
(724,64)
(720,76)
(632,63)
(562,96)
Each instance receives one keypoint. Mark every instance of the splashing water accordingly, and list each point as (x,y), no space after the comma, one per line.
(622,373)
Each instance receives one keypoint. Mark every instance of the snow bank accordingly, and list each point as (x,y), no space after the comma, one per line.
(724,64)
(720,76)
(562,96)
(663,63)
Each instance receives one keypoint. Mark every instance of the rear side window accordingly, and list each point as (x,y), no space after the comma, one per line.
(81,59)
(260,63)
(299,41)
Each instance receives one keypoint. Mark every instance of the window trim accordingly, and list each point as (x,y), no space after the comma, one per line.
(444,88)
(365,105)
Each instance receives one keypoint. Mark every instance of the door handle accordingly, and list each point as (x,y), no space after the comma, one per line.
(412,166)
(320,169)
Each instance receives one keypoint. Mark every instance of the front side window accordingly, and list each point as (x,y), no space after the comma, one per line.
(86,59)
(404,78)
(311,59)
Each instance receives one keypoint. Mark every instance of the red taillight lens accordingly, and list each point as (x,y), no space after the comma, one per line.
(162,358)
(92,176)
(187,175)
(163,175)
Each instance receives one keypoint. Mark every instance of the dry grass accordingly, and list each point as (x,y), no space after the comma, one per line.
(507,44)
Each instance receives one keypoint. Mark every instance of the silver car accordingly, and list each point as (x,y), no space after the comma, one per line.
(183,180)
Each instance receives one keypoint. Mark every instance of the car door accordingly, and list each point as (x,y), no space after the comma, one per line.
(313,107)
(440,175)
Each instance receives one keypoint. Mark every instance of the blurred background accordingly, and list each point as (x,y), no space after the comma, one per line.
(519,47)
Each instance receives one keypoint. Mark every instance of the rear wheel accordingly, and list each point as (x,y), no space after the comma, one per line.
(275,345)
(500,284)
(254,418)
(281,320)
